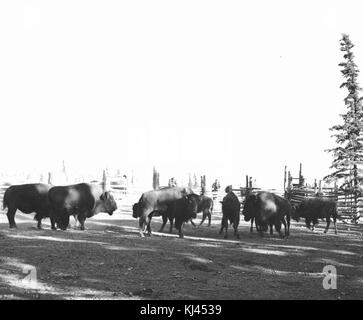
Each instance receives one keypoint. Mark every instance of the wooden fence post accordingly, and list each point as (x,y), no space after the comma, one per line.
(64,171)
(104,180)
(202,184)
(195,182)
(288,190)
(315,186)
(285,178)
(289,180)
(190,184)
(301,179)
(156,179)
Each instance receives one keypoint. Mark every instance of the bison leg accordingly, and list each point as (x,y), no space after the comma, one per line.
(141,226)
(165,220)
(39,216)
(181,235)
(209,217)
(287,233)
(226,230)
(285,226)
(64,222)
(11,219)
(81,219)
(52,223)
(205,213)
(223,225)
(179,226)
(327,225)
(271,229)
(278,228)
(258,227)
(148,225)
(307,222)
(235,227)
(171,221)
(60,219)
(251,228)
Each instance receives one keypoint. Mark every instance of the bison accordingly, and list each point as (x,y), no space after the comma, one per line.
(230,212)
(268,209)
(183,210)
(27,198)
(205,205)
(253,220)
(81,200)
(156,202)
(314,209)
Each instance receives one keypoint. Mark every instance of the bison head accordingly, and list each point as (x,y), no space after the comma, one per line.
(295,212)
(249,207)
(63,222)
(108,202)
(192,201)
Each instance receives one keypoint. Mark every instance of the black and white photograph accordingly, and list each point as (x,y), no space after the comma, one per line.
(181,154)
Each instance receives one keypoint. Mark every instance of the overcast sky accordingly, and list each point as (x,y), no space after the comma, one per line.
(225,88)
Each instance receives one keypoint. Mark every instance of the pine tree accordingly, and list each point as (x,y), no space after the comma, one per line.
(348,155)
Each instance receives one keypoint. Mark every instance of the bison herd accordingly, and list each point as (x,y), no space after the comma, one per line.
(177,205)
(58,203)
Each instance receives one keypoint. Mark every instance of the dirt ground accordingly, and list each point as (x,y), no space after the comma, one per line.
(111,261)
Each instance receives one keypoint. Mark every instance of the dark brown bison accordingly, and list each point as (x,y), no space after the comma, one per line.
(205,206)
(27,198)
(80,200)
(231,208)
(182,210)
(268,209)
(156,202)
(314,209)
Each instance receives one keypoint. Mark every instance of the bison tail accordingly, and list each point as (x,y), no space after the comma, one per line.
(5,202)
